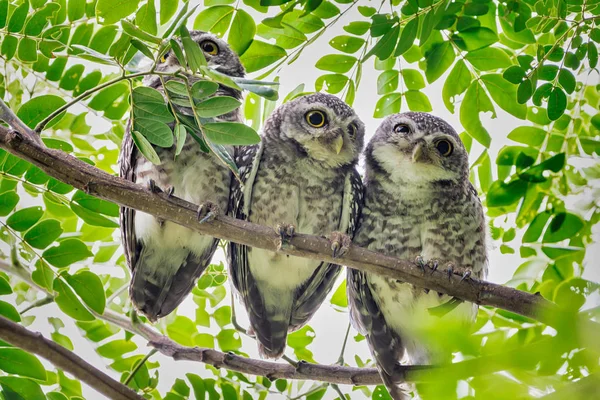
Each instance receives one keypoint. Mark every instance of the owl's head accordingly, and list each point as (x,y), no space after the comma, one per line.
(217,52)
(418,147)
(321,127)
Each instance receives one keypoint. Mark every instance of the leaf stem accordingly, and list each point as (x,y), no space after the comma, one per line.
(139,365)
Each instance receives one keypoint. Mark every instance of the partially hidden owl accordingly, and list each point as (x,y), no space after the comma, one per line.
(301,178)
(166,258)
(419,205)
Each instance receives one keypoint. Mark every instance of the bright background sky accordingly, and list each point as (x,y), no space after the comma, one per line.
(329,324)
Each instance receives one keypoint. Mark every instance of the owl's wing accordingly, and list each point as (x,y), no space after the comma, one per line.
(311,295)
(366,316)
(248,160)
(127,163)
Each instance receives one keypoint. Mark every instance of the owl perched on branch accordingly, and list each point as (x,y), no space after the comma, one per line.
(165,258)
(301,178)
(419,205)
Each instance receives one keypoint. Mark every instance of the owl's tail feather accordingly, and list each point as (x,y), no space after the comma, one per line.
(394,388)
(271,334)
(156,289)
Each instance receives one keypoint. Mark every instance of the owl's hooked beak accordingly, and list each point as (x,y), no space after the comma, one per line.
(420,153)
(338,144)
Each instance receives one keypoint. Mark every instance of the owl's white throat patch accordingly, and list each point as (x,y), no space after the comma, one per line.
(404,170)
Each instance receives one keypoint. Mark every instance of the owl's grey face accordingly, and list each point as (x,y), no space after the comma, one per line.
(418,147)
(217,52)
(323,126)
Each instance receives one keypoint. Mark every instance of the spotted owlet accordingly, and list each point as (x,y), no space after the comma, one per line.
(419,205)
(166,258)
(301,178)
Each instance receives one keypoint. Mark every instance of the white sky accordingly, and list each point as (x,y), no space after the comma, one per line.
(329,324)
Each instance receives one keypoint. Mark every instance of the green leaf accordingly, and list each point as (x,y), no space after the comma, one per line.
(16,361)
(524,91)
(388,104)
(260,55)
(25,218)
(413,80)
(358,28)
(223,316)
(43,234)
(334,82)
(9,46)
(89,288)
(230,133)
(557,103)
(242,32)
(528,135)
(92,217)
(145,147)
(69,303)
(195,56)
(145,18)
(111,11)
(514,74)
(23,387)
(567,80)
(180,138)
(4,287)
(166,11)
(346,44)
(407,37)
(67,252)
(38,108)
(214,19)
(182,330)
(215,106)
(503,194)
(438,60)
(8,202)
(17,19)
(474,102)
(116,349)
(43,274)
(336,63)
(76,9)
(387,81)
(385,46)
(417,101)
(3,12)
(457,82)
(490,58)
(339,298)
(229,340)
(478,38)
(154,111)
(563,226)
(157,133)
(27,50)
(504,95)
(95,204)
(9,311)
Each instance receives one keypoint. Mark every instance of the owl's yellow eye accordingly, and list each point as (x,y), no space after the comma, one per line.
(316,118)
(163,59)
(444,147)
(209,47)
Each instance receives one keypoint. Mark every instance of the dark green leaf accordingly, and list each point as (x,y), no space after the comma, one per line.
(4,287)
(504,194)
(38,108)
(25,388)
(385,46)
(67,252)
(69,303)
(230,133)
(407,37)
(8,202)
(478,38)
(25,218)
(242,32)
(563,226)
(17,19)
(145,147)
(195,56)
(524,91)
(43,274)
(438,60)
(43,234)
(16,361)
(216,106)
(504,95)
(9,311)
(157,133)
(260,55)
(557,103)
(490,58)
(567,80)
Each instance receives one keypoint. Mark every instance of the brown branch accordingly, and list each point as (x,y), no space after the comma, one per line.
(83,176)
(64,359)
(12,120)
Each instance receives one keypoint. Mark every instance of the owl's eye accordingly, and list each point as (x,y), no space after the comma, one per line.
(444,147)
(163,59)
(352,129)
(209,47)
(402,128)
(316,118)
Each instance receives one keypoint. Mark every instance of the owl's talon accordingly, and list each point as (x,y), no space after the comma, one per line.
(420,261)
(170,191)
(450,271)
(434,265)
(466,275)
(340,243)
(153,187)
(207,212)
(286,233)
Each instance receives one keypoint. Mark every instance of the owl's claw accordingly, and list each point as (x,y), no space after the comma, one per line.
(170,191)
(450,271)
(286,233)
(340,243)
(207,212)
(434,265)
(153,187)
(466,275)
(420,261)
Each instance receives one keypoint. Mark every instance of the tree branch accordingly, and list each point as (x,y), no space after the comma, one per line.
(93,181)
(12,120)
(64,359)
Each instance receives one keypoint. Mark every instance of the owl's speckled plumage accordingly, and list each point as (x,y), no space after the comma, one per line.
(417,203)
(294,177)
(165,258)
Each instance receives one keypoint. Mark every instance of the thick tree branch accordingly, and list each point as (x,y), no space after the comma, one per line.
(64,359)
(83,176)
(12,120)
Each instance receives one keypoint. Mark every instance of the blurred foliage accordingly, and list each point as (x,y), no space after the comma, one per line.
(530,61)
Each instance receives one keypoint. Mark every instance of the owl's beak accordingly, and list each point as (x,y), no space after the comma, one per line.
(338,143)
(419,153)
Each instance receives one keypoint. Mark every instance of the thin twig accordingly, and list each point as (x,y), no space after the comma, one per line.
(64,359)
(139,365)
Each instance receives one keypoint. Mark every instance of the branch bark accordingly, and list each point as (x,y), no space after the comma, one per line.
(93,181)
(64,359)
